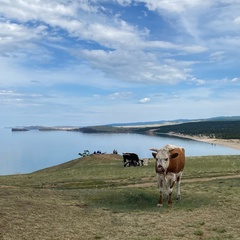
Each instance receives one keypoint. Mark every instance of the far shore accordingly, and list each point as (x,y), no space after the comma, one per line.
(231,143)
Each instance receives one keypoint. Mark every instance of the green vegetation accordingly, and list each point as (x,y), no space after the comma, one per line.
(217,129)
(103,129)
(95,197)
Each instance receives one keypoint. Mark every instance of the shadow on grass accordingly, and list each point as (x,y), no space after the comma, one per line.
(121,200)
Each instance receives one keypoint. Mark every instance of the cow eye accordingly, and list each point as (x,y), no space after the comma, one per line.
(165,159)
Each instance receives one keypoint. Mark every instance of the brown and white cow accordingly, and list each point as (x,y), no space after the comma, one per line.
(170,161)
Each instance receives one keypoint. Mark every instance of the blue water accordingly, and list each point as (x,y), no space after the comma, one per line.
(26,152)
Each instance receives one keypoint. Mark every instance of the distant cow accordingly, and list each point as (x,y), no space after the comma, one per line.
(145,161)
(170,161)
(131,159)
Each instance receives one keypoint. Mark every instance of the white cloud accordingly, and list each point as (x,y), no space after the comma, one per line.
(123,2)
(120,95)
(144,100)
(9,98)
(91,44)
(197,81)
(217,56)
(237,20)
(235,80)
(12,33)
(175,6)
(134,58)
(137,66)
(34,10)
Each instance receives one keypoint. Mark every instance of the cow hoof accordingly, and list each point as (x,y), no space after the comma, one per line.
(159,205)
(178,198)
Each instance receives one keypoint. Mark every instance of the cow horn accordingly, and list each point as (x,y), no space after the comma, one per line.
(153,149)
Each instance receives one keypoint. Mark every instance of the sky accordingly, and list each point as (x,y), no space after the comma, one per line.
(96,62)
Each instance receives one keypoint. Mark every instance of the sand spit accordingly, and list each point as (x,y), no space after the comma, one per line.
(231,143)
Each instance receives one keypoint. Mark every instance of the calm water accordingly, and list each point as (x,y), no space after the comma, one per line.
(25,152)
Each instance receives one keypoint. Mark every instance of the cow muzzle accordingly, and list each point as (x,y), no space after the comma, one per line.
(160,169)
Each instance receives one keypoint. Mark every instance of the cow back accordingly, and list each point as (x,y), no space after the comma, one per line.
(177,160)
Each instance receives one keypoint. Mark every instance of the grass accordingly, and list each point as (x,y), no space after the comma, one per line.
(96,198)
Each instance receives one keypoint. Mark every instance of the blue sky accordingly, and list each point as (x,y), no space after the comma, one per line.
(79,62)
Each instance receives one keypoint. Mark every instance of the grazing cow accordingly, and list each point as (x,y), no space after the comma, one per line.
(170,161)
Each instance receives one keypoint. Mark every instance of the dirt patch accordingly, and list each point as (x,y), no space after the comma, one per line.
(192,180)
(5,186)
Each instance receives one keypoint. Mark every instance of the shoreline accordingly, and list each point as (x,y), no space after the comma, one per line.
(231,143)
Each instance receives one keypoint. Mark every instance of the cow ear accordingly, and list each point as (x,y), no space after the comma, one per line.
(154,154)
(174,155)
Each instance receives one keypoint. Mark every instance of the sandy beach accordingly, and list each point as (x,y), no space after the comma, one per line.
(231,143)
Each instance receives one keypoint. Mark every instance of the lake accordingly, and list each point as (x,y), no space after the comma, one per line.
(26,152)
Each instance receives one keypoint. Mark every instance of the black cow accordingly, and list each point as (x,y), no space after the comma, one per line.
(131,159)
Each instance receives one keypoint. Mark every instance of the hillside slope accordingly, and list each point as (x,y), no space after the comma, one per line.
(213,129)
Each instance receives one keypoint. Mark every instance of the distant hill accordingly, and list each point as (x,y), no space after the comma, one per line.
(223,118)
(161,122)
(177,121)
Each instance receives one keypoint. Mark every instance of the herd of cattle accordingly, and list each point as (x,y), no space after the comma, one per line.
(169,165)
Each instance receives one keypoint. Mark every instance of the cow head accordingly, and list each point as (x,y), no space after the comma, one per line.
(163,157)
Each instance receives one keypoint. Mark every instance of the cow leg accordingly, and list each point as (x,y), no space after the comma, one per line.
(178,186)
(160,187)
(170,199)
(160,201)
(170,184)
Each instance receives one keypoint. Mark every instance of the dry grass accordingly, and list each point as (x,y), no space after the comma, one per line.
(65,202)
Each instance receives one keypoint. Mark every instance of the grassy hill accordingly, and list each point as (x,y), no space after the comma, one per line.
(95,197)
